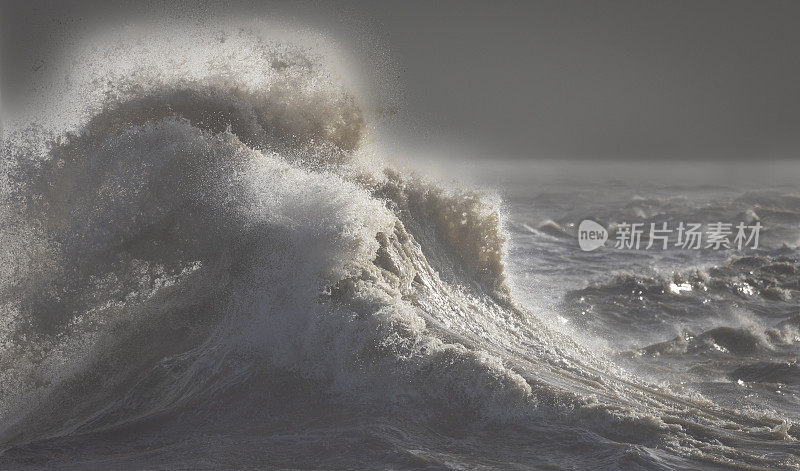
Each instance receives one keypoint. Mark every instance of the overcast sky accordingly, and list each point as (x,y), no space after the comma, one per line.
(639,79)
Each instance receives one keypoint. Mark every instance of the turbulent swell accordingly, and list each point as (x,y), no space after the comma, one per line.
(213,236)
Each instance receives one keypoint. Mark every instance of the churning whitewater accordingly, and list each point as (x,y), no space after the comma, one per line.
(207,264)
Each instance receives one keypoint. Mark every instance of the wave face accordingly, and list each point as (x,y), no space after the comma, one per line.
(208,266)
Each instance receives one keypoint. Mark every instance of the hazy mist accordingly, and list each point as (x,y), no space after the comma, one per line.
(635,79)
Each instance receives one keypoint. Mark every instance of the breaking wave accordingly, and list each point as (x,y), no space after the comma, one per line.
(213,234)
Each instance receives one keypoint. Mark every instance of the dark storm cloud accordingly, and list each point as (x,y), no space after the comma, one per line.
(641,79)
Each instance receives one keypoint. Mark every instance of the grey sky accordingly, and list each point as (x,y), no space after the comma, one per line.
(640,79)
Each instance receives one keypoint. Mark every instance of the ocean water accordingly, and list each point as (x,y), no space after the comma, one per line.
(208,263)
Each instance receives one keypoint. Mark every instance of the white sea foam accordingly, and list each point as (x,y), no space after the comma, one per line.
(209,203)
